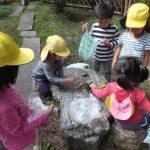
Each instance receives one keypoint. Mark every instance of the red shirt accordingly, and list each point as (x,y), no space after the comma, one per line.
(138,98)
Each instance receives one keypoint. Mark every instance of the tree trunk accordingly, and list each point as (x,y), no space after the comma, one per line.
(126,3)
(60,6)
(24,2)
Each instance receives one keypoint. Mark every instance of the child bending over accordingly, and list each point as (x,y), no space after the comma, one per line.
(128,103)
(50,68)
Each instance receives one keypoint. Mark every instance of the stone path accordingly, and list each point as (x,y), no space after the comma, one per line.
(18,10)
(30,40)
(26,22)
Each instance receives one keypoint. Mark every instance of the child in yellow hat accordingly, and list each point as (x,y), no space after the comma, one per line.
(16,132)
(135,41)
(50,68)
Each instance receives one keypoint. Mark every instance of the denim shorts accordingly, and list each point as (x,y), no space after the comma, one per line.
(143,124)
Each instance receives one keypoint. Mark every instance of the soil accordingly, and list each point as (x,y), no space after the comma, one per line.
(50,135)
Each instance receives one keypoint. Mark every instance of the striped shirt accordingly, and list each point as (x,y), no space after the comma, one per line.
(134,47)
(104,53)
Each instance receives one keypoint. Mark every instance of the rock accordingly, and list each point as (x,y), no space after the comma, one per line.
(81,136)
(69,41)
(127,139)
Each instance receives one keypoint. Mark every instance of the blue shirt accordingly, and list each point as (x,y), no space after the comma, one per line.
(134,47)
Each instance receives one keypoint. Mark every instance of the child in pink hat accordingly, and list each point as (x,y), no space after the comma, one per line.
(128,103)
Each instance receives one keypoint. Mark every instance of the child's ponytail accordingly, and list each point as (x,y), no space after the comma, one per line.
(123,82)
(144,73)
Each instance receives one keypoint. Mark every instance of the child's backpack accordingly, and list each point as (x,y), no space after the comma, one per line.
(87,46)
(120,110)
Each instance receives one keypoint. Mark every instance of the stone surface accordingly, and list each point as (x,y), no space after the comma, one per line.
(24,80)
(33,7)
(81,136)
(127,139)
(26,22)
(17,11)
(28,34)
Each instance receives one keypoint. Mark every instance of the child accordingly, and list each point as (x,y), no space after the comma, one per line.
(50,68)
(129,106)
(108,34)
(135,41)
(16,132)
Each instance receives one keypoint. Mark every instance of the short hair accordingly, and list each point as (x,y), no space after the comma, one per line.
(8,76)
(129,72)
(104,10)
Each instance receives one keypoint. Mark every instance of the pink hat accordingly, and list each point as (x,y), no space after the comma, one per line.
(122,110)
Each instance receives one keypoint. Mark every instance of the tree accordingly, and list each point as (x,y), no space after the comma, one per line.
(60,6)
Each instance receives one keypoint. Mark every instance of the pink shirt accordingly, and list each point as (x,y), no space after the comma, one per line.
(16,132)
(137,96)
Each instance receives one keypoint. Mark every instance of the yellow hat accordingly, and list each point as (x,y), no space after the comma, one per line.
(55,44)
(11,54)
(137,15)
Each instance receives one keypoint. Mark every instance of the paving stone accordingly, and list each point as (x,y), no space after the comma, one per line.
(17,11)
(33,7)
(24,80)
(26,22)
(28,34)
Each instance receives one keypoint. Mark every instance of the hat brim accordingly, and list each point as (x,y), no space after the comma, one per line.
(46,50)
(64,53)
(44,53)
(135,24)
(25,56)
(108,101)
(121,114)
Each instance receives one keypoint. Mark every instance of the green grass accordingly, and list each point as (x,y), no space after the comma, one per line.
(5,11)
(47,23)
(8,24)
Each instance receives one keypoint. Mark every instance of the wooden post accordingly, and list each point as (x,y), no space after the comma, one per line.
(24,2)
(127,4)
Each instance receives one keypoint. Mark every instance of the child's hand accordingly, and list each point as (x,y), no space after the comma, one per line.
(69,81)
(106,42)
(92,85)
(83,26)
(49,111)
